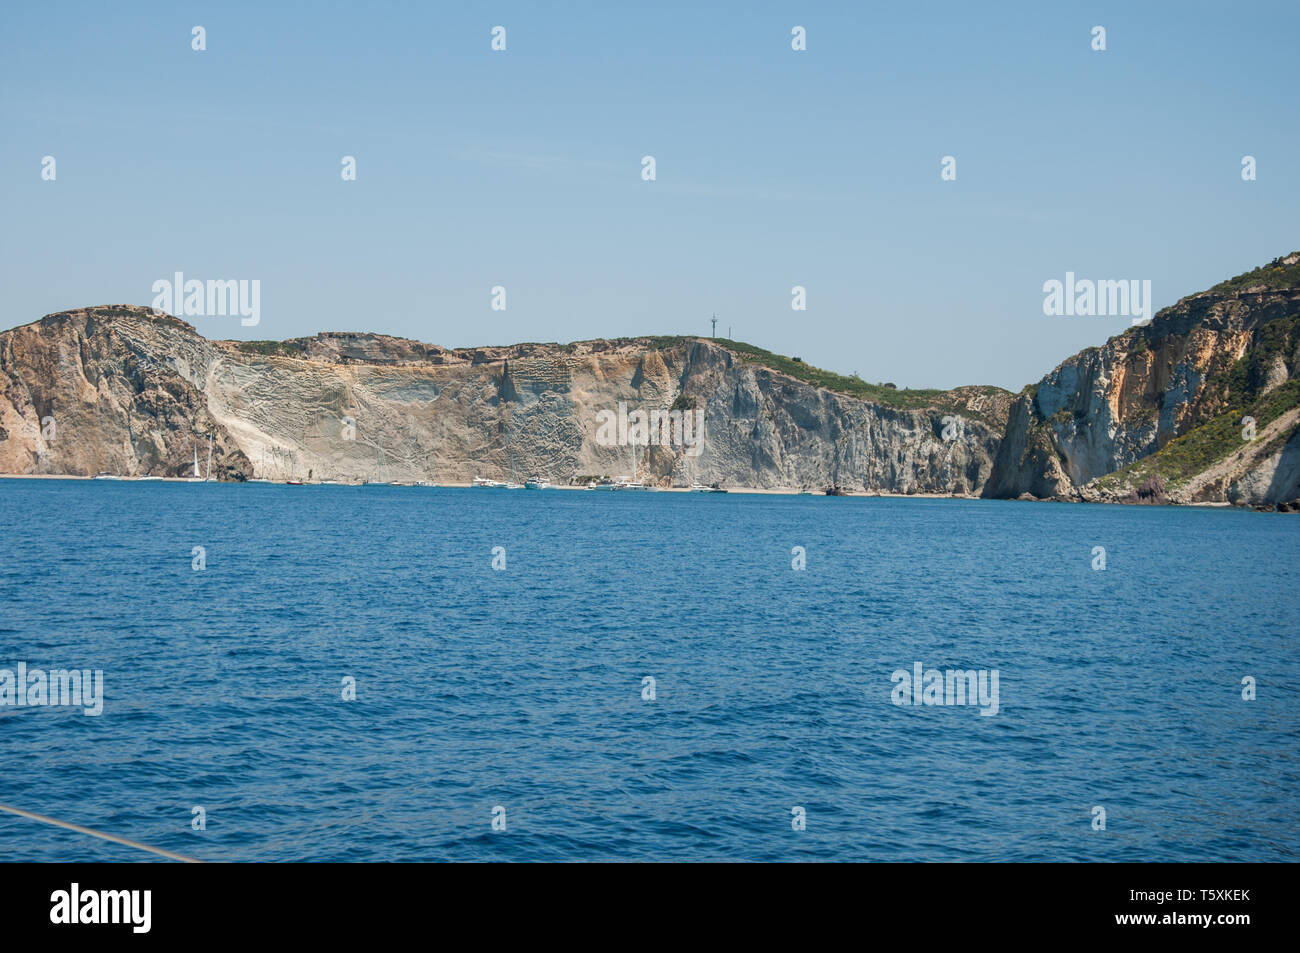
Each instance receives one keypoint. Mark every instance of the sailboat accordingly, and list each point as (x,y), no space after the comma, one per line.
(261,479)
(513,484)
(632,484)
(293,471)
(196,478)
(379,468)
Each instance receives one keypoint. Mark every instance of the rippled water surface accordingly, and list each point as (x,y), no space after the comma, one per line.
(522,688)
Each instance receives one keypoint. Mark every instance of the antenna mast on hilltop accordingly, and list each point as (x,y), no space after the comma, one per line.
(715,327)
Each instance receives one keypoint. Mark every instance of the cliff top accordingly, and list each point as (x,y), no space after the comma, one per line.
(348,347)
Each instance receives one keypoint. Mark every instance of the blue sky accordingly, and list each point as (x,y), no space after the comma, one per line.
(775,168)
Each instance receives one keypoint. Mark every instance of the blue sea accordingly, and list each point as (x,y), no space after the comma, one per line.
(518,693)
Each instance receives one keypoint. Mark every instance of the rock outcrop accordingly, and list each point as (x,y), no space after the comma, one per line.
(1171,404)
(1200,405)
(124,390)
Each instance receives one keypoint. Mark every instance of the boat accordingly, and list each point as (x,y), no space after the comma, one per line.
(105,475)
(605,484)
(633,483)
(379,469)
(489,484)
(536,485)
(423,483)
(262,469)
(148,479)
(513,486)
(701,488)
(836,490)
(196,478)
(293,481)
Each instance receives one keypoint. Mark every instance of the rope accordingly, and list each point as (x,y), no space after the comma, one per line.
(100,834)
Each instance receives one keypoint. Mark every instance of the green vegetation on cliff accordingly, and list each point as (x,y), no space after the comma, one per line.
(270,348)
(886,394)
(1283,272)
(1199,449)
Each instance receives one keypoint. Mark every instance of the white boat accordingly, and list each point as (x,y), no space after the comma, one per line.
(633,483)
(148,479)
(602,485)
(701,488)
(536,485)
(103,475)
(513,486)
(423,483)
(489,484)
(196,478)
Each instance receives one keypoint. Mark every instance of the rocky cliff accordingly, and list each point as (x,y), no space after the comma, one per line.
(1199,405)
(124,390)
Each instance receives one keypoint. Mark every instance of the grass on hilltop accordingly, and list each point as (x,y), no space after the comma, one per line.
(851,385)
(1275,275)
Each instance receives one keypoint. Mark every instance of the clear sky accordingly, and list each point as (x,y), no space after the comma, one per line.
(775,168)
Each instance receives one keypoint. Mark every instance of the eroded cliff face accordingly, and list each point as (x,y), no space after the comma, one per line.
(135,393)
(1201,405)
(1165,406)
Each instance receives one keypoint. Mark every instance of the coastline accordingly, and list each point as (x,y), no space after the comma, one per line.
(747,491)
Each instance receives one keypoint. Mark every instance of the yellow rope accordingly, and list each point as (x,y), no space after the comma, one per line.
(100,834)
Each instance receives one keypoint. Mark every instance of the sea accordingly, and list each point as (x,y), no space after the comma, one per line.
(383,673)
